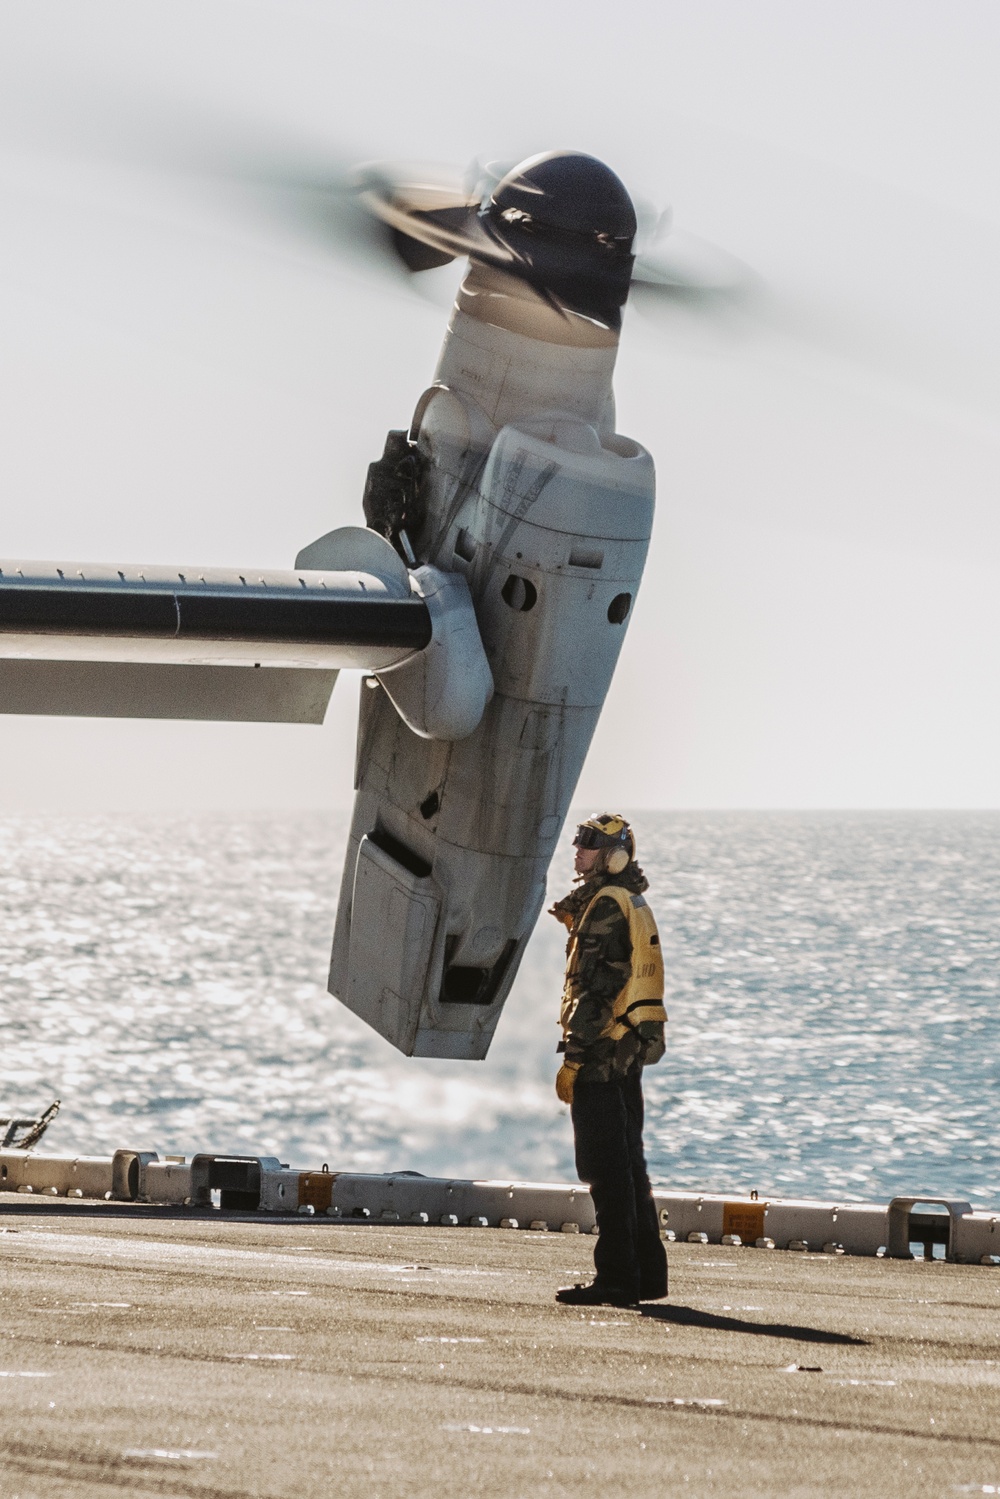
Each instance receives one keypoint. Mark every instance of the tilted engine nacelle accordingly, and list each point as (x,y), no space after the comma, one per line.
(547,524)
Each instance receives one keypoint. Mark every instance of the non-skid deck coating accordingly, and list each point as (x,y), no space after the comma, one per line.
(196,1355)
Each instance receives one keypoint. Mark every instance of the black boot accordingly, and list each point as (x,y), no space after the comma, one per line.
(596,1295)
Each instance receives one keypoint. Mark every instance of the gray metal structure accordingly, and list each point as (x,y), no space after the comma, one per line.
(262,1183)
(535,500)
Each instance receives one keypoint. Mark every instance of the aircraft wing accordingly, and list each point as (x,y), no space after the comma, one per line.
(207,643)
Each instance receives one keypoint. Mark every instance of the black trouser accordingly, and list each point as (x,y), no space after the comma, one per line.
(607,1125)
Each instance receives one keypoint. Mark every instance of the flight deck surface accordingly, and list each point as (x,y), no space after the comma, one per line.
(155,1353)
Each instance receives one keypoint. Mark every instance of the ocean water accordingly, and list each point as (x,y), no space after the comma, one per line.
(833,987)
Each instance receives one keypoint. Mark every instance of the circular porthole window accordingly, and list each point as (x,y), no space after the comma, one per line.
(619,607)
(518,593)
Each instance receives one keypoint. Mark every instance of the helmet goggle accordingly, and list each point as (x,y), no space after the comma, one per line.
(603,832)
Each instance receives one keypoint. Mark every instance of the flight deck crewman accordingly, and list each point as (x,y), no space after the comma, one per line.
(612,1020)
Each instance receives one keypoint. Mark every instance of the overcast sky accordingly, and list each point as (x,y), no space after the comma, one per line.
(184,380)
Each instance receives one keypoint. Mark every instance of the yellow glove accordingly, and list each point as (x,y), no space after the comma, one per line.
(565,1080)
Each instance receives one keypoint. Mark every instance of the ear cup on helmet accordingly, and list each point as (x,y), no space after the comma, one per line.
(617,860)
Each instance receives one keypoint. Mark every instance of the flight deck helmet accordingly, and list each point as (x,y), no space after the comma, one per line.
(611,834)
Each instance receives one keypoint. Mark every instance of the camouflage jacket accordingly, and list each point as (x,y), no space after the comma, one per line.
(603,969)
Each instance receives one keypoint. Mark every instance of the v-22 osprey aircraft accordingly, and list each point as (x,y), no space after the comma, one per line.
(487,598)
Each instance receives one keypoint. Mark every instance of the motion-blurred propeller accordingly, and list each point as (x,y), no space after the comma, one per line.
(561,222)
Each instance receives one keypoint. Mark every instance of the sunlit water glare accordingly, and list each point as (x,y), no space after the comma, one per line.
(832,983)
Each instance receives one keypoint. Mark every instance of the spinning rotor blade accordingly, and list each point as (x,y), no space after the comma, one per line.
(315,192)
(562,223)
(683,262)
(428,211)
(677,270)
